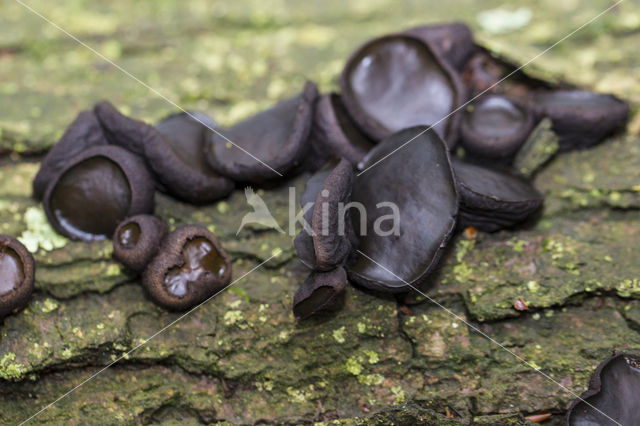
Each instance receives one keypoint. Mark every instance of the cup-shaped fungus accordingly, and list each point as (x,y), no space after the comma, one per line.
(399,81)
(96,190)
(612,398)
(173,150)
(495,127)
(334,134)
(409,207)
(328,244)
(17,271)
(190,267)
(321,292)
(274,139)
(453,41)
(581,119)
(137,239)
(491,200)
(84,132)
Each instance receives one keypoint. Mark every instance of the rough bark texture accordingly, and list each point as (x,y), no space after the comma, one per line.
(242,357)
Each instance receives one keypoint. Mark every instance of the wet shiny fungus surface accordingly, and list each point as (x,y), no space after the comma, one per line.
(91,198)
(200,257)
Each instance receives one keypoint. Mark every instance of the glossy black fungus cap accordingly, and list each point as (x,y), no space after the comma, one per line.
(277,137)
(96,190)
(190,267)
(84,132)
(137,239)
(491,200)
(173,150)
(495,127)
(321,292)
(399,81)
(17,272)
(334,134)
(453,41)
(418,180)
(613,390)
(581,119)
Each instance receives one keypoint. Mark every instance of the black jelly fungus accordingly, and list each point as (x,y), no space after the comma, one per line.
(96,190)
(190,266)
(17,273)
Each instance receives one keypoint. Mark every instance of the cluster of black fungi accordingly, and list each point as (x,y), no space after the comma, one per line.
(399,132)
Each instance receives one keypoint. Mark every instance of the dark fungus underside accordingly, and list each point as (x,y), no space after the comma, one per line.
(418,180)
(581,119)
(334,133)
(491,200)
(304,241)
(330,227)
(185,136)
(276,136)
(397,82)
(614,389)
(174,152)
(91,198)
(320,292)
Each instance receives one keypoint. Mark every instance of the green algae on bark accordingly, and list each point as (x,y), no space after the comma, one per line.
(607,175)
(562,260)
(199,372)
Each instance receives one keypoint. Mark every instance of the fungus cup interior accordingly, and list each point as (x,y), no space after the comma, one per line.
(11,270)
(396,82)
(200,258)
(497,126)
(129,235)
(417,180)
(91,198)
(614,391)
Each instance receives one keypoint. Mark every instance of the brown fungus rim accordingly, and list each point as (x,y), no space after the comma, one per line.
(152,232)
(175,176)
(595,382)
(170,255)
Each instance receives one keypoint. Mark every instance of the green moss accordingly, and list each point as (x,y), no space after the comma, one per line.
(10,370)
